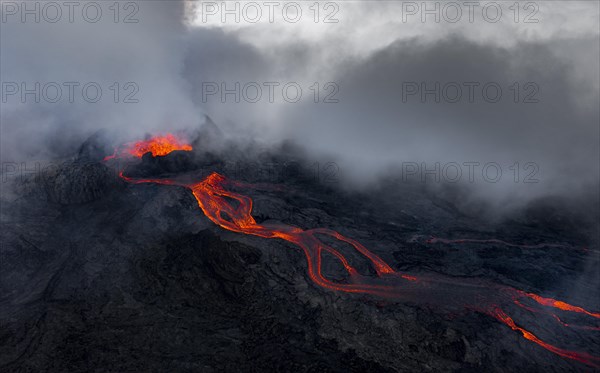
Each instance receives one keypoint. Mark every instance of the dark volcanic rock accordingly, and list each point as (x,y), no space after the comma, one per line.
(178,161)
(124,277)
(71,182)
(560,216)
(96,147)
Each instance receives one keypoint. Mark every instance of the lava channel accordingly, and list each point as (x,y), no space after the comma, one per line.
(214,193)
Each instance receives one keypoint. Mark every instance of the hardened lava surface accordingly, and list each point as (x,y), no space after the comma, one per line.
(98,274)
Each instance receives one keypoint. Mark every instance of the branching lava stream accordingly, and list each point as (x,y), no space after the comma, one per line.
(212,195)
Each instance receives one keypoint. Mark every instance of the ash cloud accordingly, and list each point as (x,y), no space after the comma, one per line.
(369,55)
(147,53)
(381,126)
(374,130)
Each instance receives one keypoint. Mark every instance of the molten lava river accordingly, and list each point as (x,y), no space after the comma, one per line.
(214,194)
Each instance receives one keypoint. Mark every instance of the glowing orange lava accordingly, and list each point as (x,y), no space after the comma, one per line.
(158,146)
(214,194)
(579,356)
(549,302)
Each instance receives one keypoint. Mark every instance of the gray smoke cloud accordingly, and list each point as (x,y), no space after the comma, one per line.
(380,128)
(72,52)
(553,138)
(541,132)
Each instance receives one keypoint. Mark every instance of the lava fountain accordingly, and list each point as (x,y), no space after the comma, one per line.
(157,146)
(214,193)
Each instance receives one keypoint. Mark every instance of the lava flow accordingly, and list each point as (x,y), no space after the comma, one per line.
(214,193)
